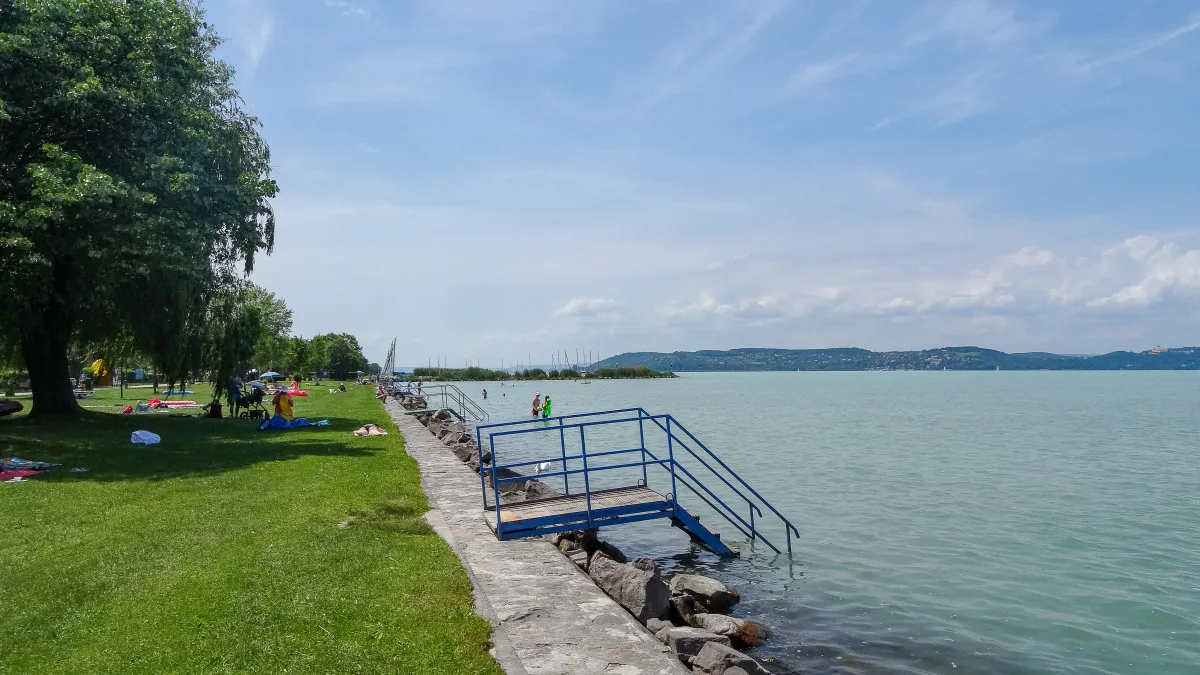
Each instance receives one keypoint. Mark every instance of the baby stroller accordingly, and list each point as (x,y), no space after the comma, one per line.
(252,401)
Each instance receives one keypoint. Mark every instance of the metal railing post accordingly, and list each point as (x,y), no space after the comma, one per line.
(642,438)
(482,471)
(587,484)
(671,459)
(495,483)
(562,441)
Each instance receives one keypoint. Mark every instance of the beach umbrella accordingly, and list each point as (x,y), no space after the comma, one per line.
(255,384)
(271,374)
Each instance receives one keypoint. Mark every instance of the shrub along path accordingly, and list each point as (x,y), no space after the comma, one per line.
(227,549)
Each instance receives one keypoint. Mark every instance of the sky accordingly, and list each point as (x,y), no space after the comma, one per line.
(489,181)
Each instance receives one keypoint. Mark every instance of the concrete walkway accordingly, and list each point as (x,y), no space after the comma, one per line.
(547,616)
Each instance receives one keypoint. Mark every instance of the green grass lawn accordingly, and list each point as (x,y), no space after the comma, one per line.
(220,549)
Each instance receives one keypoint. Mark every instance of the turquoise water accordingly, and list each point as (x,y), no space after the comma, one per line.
(951,522)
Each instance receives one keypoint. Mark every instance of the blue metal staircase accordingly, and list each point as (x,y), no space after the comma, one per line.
(617,483)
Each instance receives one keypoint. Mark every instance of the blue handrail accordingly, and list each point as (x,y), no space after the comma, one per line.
(675,436)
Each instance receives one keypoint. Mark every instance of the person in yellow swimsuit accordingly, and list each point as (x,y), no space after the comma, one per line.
(283,405)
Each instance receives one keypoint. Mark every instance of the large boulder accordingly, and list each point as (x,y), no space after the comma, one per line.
(456,436)
(687,641)
(655,625)
(442,415)
(683,608)
(536,489)
(463,452)
(579,557)
(742,632)
(718,659)
(642,592)
(435,427)
(597,547)
(716,596)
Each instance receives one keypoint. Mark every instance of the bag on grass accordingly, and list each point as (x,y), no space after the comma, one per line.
(144,437)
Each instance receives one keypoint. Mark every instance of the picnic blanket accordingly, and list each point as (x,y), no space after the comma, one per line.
(10,474)
(280,423)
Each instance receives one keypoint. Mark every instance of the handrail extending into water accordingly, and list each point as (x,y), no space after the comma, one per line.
(678,472)
(791,529)
(464,404)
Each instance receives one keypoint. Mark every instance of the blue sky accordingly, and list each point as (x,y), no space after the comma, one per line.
(487,180)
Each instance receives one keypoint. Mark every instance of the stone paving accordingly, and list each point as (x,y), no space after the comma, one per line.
(547,616)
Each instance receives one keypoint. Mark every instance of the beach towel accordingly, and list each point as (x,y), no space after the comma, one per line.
(10,474)
(278,423)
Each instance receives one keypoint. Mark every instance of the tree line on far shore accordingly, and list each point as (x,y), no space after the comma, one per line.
(475,374)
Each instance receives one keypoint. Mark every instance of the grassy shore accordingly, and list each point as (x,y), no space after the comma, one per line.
(226,549)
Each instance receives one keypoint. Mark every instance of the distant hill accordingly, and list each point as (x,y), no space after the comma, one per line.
(950,358)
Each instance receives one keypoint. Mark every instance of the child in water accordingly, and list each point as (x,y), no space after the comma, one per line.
(546,407)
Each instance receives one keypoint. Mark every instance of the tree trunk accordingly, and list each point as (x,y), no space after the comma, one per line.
(44,347)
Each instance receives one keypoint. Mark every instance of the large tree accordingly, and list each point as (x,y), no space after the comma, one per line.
(276,319)
(133,188)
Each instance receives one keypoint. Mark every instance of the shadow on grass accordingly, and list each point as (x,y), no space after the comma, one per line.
(190,447)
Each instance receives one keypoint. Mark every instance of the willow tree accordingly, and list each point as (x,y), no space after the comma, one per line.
(133,187)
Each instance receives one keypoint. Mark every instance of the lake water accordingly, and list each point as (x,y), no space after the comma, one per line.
(950,522)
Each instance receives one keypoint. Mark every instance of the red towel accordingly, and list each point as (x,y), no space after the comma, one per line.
(18,473)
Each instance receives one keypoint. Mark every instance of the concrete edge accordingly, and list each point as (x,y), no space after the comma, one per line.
(502,649)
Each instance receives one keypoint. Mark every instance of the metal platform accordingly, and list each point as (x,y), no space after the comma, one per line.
(740,504)
(608,507)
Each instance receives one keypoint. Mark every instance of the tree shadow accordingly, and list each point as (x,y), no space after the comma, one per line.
(190,447)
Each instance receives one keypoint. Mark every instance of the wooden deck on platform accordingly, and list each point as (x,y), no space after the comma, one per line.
(574,507)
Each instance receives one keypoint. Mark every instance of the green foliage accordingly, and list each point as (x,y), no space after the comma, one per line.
(276,325)
(133,188)
(337,354)
(632,372)
(486,375)
(295,356)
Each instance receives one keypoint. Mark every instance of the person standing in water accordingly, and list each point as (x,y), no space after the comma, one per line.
(546,407)
(537,404)
(485,394)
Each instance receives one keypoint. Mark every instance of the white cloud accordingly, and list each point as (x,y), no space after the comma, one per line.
(1164,270)
(253,30)
(825,70)
(1031,256)
(584,307)
(347,8)
(1147,45)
